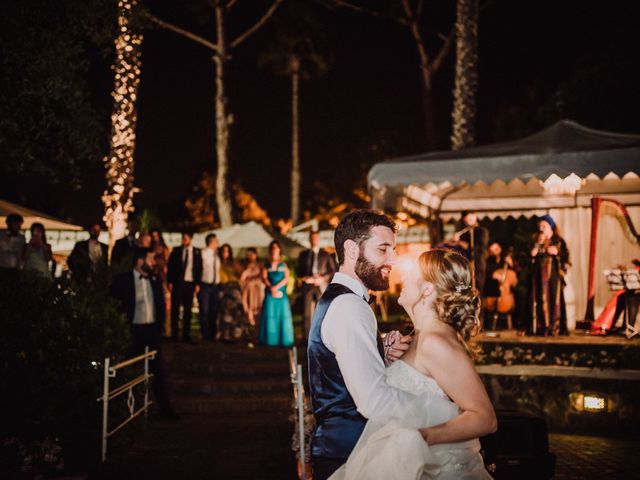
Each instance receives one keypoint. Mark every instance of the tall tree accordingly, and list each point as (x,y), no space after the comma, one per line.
(118,197)
(221,50)
(466,75)
(410,14)
(298,51)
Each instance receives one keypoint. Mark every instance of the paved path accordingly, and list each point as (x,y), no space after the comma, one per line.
(582,457)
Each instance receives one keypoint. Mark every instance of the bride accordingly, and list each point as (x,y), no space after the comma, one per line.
(438,437)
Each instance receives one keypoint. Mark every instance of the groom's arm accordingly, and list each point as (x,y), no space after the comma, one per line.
(349,330)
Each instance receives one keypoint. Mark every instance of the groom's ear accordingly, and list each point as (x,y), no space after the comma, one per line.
(351,250)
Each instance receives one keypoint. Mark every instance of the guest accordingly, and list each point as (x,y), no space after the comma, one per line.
(144,240)
(276,325)
(12,242)
(231,319)
(37,255)
(142,301)
(184,273)
(315,269)
(230,268)
(252,287)
(161,256)
(549,263)
(208,297)
(88,256)
(122,253)
(477,254)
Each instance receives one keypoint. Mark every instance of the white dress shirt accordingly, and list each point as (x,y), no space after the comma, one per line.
(188,271)
(314,265)
(144,313)
(349,330)
(210,267)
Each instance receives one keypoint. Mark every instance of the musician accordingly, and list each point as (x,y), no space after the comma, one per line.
(498,288)
(476,250)
(549,263)
(630,297)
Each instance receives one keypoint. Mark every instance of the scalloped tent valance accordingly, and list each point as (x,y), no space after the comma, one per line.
(561,166)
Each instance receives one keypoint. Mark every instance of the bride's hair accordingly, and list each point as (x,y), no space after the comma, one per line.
(457,303)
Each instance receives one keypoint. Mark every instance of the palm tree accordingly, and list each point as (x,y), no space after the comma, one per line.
(118,197)
(298,51)
(466,75)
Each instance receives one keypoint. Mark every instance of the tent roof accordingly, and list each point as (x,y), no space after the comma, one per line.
(33,216)
(561,149)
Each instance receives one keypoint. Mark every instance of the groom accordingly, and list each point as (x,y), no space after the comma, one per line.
(346,354)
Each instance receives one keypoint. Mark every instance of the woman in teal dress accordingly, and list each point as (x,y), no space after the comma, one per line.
(276,325)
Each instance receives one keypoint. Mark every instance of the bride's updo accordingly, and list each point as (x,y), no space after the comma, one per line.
(457,303)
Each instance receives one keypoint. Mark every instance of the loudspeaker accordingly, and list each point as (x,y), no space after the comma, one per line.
(519,448)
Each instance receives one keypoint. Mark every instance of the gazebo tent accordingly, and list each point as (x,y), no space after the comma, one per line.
(556,171)
(32,216)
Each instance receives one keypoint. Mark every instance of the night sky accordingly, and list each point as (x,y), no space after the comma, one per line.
(370,96)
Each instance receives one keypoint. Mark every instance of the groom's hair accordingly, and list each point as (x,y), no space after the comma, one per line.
(357,226)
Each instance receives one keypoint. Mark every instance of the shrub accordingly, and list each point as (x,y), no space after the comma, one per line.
(53,344)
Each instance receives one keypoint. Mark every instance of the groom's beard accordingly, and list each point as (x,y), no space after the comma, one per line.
(371,274)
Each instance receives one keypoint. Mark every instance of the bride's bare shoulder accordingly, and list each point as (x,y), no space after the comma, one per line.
(438,347)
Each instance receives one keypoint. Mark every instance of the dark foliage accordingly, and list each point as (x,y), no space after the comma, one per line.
(52,348)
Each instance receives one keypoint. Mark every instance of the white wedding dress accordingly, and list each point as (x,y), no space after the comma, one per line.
(393,449)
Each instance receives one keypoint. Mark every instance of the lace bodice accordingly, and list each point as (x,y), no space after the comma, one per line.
(403,376)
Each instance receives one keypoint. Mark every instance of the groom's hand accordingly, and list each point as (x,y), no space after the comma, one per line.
(398,346)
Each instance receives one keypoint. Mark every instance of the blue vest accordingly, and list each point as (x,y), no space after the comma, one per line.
(338,423)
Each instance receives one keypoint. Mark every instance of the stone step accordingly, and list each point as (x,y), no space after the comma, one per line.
(224,352)
(184,368)
(208,384)
(230,404)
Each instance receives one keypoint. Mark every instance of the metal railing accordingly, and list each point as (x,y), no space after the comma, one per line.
(108,395)
(298,395)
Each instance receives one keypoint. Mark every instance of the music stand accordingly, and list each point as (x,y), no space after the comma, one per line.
(629,281)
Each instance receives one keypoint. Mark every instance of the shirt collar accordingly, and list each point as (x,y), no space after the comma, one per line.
(356,286)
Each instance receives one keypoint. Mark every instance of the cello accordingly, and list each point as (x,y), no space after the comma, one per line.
(504,304)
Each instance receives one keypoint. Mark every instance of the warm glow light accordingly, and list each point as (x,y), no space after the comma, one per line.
(406,263)
(594,404)
(118,198)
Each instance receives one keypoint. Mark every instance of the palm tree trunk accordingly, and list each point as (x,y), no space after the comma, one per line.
(222,124)
(466,76)
(295,145)
(118,197)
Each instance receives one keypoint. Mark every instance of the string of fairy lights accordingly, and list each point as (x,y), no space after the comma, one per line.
(118,197)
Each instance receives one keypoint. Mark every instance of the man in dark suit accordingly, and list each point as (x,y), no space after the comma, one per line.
(122,253)
(142,301)
(88,256)
(315,269)
(184,273)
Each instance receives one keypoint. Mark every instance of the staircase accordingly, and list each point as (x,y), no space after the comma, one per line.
(234,404)
(229,379)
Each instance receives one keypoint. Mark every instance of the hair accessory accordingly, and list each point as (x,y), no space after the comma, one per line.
(461,287)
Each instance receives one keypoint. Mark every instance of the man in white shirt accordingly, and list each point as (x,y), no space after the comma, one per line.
(208,297)
(12,242)
(346,354)
(141,299)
